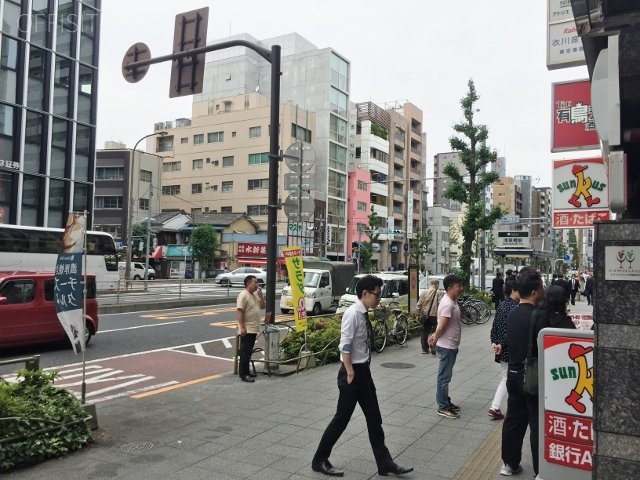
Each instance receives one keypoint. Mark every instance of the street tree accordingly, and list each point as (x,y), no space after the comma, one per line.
(573,248)
(204,243)
(139,236)
(469,187)
(421,246)
(366,248)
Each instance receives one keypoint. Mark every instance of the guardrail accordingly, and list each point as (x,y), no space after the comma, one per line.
(30,363)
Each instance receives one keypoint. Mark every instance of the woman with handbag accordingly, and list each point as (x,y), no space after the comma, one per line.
(427,311)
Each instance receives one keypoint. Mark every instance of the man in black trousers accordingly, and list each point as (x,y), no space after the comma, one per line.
(575,287)
(356,385)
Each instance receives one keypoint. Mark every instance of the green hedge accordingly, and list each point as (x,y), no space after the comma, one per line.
(28,411)
(323,334)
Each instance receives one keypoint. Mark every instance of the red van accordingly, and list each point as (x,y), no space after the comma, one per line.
(28,312)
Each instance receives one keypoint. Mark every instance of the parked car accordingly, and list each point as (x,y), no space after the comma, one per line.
(212,273)
(137,271)
(28,310)
(238,275)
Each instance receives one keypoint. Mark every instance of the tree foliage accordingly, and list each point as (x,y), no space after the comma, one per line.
(573,249)
(468,187)
(421,246)
(204,243)
(139,235)
(365,248)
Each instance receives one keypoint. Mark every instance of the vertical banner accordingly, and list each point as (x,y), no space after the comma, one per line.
(566,403)
(572,123)
(293,260)
(69,282)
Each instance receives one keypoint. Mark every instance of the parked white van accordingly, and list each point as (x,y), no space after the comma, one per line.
(395,288)
(137,271)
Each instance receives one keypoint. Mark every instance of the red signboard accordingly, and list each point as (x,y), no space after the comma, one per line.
(252,250)
(578,219)
(573,455)
(573,127)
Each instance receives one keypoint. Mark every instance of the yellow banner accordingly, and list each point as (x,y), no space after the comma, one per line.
(293,260)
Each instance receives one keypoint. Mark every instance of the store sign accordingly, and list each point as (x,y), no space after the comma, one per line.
(572,123)
(252,249)
(564,45)
(580,193)
(566,403)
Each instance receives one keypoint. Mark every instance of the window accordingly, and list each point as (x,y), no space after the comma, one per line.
(198,139)
(257,210)
(172,167)
(226,210)
(258,158)
(339,72)
(227,186)
(196,188)
(18,291)
(197,164)
(300,133)
(146,176)
(501,194)
(165,144)
(362,185)
(338,102)
(255,132)
(337,184)
(338,129)
(227,161)
(258,184)
(215,137)
(108,202)
(362,207)
(337,156)
(109,173)
(196,211)
(143,203)
(171,190)
(233,134)
(184,140)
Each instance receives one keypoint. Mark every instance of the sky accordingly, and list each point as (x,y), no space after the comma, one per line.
(423,52)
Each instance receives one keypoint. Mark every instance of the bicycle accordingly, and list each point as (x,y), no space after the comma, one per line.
(381,331)
(484,311)
(469,313)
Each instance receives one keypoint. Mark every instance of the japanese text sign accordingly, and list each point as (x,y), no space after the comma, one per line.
(566,403)
(293,261)
(580,193)
(573,126)
(252,249)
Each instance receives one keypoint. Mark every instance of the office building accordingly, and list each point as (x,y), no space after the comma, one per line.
(48,97)
(507,195)
(525,183)
(441,181)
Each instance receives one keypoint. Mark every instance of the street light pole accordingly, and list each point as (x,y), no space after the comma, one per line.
(127,271)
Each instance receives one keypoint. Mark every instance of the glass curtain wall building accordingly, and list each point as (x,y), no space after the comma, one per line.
(48,95)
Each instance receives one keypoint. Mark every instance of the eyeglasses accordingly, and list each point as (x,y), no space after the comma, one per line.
(377,294)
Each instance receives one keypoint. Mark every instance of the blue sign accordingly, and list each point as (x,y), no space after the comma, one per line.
(566,258)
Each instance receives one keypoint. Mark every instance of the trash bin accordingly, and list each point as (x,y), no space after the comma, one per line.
(272,344)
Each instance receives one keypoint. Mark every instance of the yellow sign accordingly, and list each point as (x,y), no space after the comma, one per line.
(293,260)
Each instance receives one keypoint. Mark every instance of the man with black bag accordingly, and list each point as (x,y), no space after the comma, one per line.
(523,326)
(427,309)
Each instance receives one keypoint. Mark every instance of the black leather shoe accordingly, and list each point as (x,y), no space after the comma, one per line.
(253,375)
(395,469)
(328,469)
(247,378)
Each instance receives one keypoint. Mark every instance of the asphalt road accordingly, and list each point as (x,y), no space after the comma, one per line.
(142,352)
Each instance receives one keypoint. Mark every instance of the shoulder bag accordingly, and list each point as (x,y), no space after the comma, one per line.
(530,384)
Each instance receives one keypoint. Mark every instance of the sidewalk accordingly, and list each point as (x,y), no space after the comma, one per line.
(227,429)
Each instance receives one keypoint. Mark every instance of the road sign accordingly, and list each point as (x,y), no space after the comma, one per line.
(566,258)
(187,72)
(513,240)
(292,156)
(136,53)
(307,207)
(292,181)
(509,220)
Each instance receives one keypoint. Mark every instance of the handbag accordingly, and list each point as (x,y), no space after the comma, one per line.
(530,384)
(425,316)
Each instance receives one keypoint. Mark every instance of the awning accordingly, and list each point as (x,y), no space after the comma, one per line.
(157,253)
(252,260)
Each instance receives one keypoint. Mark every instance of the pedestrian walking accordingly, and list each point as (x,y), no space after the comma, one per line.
(574,286)
(446,339)
(427,311)
(499,345)
(497,289)
(522,407)
(248,305)
(588,289)
(356,386)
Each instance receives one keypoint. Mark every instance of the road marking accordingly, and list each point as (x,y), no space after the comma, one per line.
(183,314)
(140,326)
(174,387)
(228,324)
(199,349)
(226,342)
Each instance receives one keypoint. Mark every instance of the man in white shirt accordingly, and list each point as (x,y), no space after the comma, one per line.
(356,384)
(446,339)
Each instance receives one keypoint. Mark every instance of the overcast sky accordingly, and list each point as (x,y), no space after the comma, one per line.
(416,50)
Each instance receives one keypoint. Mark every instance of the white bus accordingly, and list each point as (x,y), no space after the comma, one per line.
(36,248)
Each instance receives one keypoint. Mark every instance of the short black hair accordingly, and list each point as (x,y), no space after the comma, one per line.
(528,281)
(509,272)
(450,280)
(368,283)
(555,300)
(510,284)
(248,278)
